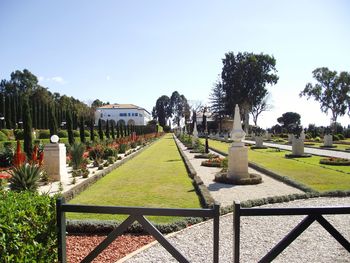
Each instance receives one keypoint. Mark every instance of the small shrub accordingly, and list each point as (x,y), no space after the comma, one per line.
(19,134)
(133,145)
(123,148)
(119,158)
(25,177)
(44,134)
(62,134)
(100,167)
(340,136)
(74,181)
(109,152)
(86,133)
(76,153)
(28,227)
(317,139)
(76,133)
(111,159)
(3,136)
(6,156)
(335,137)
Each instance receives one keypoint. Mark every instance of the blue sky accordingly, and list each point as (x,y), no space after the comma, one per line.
(136,51)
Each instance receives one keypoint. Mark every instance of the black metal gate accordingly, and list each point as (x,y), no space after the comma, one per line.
(135,214)
(312,215)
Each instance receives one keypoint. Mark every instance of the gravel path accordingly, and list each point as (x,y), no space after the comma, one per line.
(258,236)
(321,152)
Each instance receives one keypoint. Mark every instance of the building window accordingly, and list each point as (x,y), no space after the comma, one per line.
(140,115)
(101,115)
(122,114)
(109,115)
(129,114)
(136,114)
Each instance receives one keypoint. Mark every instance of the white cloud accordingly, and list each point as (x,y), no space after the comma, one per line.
(58,79)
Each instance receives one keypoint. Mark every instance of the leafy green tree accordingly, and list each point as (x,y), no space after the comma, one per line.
(217,102)
(162,110)
(179,107)
(331,91)
(260,108)
(244,79)
(289,120)
(27,128)
(70,128)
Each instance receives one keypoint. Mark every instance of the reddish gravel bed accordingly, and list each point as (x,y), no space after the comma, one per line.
(79,246)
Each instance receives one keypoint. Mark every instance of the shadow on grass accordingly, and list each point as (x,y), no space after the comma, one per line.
(174,160)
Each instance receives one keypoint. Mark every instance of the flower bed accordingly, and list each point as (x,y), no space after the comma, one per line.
(335,161)
(213,162)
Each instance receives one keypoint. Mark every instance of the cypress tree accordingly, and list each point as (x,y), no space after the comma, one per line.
(8,112)
(82,130)
(14,111)
(92,135)
(100,132)
(52,121)
(118,133)
(107,130)
(46,116)
(70,128)
(27,128)
(112,130)
(2,114)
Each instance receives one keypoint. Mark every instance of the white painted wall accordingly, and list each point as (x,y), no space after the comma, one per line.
(114,114)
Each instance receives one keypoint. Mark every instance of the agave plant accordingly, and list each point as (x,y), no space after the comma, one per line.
(25,177)
(76,153)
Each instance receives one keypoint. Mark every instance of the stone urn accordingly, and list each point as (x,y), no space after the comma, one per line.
(297,146)
(328,140)
(259,141)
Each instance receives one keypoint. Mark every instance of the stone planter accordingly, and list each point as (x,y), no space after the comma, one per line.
(298,147)
(237,162)
(328,140)
(290,138)
(259,141)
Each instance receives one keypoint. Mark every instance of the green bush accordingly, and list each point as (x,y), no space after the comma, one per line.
(44,134)
(76,133)
(19,134)
(8,133)
(86,133)
(3,136)
(76,153)
(341,136)
(317,139)
(6,156)
(62,134)
(109,152)
(123,148)
(335,137)
(27,227)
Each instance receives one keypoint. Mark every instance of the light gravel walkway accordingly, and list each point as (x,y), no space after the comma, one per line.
(321,152)
(225,194)
(258,236)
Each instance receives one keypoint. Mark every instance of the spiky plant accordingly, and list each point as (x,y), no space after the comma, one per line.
(25,177)
(76,152)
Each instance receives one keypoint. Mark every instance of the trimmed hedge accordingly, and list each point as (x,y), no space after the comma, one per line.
(27,227)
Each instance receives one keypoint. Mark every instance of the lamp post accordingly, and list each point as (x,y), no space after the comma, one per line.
(205,129)
(2,119)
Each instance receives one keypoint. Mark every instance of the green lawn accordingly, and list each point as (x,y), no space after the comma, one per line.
(307,171)
(155,178)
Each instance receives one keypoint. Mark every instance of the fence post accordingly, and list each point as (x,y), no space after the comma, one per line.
(236,230)
(61,230)
(216,226)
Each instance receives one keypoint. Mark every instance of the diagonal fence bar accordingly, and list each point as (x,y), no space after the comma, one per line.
(135,214)
(312,214)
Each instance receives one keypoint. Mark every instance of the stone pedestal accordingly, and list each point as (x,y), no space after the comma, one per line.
(268,136)
(290,138)
(298,146)
(259,141)
(226,137)
(328,140)
(237,162)
(55,161)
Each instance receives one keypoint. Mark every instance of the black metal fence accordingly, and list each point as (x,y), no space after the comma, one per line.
(135,214)
(312,214)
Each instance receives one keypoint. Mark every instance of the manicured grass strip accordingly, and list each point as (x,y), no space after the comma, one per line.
(306,171)
(155,178)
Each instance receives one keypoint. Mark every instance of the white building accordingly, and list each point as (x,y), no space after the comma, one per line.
(126,114)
